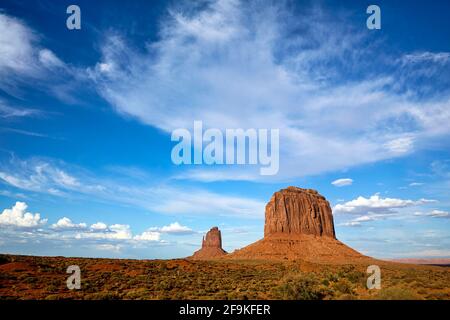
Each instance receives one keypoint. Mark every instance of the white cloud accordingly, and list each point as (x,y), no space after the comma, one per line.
(426,56)
(174,228)
(342,182)
(118,232)
(439,214)
(49,59)
(21,56)
(109,247)
(400,145)
(356,222)
(16,46)
(67,224)
(148,236)
(101,231)
(25,63)
(350,224)
(7,111)
(376,204)
(114,232)
(99,226)
(434,214)
(415,184)
(233,66)
(38,175)
(18,217)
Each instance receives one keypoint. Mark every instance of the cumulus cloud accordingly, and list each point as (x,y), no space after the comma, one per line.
(174,228)
(99,226)
(113,232)
(17,216)
(233,66)
(122,232)
(342,182)
(67,224)
(117,232)
(100,230)
(377,204)
(148,236)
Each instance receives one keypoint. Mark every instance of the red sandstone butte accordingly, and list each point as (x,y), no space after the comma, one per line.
(299,225)
(294,211)
(211,246)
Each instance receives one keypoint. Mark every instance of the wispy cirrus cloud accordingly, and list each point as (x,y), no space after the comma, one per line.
(22,57)
(56,178)
(426,56)
(434,214)
(9,112)
(236,67)
(25,62)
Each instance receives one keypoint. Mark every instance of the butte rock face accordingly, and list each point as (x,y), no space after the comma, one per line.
(211,246)
(299,225)
(294,211)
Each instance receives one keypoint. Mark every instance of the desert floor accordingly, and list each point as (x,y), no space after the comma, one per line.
(28,277)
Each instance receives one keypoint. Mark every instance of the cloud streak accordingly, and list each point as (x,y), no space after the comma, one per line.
(55,178)
(342,182)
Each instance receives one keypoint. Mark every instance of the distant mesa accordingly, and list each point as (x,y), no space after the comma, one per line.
(298,225)
(211,246)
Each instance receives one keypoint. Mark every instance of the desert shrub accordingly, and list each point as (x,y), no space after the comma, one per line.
(104,295)
(343,286)
(30,280)
(356,276)
(348,297)
(397,293)
(331,277)
(53,297)
(138,294)
(51,288)
(4,259)
(438,296)
(303,287)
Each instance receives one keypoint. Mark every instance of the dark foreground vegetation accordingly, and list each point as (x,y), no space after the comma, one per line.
(27,277)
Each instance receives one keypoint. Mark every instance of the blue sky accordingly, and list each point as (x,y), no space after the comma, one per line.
(86,118)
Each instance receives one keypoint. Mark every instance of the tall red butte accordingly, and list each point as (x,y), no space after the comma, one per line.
(299,225)
(211,246)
